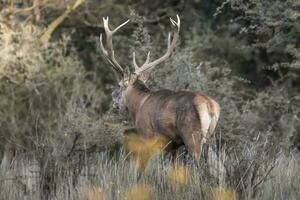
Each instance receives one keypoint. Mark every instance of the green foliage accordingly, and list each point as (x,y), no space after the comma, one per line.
(37,82)
(264,35)
(48,107)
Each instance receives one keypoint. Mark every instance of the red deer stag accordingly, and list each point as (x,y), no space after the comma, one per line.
(182,117)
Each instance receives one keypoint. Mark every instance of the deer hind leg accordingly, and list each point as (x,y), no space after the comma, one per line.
(215,113)
(205,121)
(210,132)
(206,150)
(195,134)
(193,142)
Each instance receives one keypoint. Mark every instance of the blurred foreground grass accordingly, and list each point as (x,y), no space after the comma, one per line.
(116,177)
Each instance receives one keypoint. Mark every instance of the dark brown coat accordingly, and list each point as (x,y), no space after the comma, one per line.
(182,117)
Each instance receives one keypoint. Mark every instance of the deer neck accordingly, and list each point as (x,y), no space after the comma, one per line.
(136,95)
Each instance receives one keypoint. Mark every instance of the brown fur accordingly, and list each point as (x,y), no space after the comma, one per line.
(183,117)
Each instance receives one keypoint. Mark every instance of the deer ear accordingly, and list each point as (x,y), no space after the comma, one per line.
(126,72)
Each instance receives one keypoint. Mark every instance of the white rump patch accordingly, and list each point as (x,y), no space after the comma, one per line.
(205,120)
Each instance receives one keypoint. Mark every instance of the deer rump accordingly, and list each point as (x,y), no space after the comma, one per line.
(182,117)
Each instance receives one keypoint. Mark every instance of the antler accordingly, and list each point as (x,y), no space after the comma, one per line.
(147,66)
(109,53)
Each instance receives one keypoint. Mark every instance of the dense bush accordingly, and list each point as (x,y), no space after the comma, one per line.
(49,108)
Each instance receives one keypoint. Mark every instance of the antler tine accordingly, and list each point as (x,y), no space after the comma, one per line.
(147,60)
(102,47)
(109,53)
(136,67)
(171,46)
(177,24)
(116,29)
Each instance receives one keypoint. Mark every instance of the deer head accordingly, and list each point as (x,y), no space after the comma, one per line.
(141,73)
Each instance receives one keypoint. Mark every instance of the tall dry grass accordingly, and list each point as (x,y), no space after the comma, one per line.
(104,176)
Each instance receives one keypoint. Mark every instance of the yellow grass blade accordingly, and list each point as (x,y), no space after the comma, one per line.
(179,175)
(139,192)
(224,193)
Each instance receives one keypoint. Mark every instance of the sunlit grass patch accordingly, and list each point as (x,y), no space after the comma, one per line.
(139,192)
(179,175)
(143,148)
(96,193)
(224,193)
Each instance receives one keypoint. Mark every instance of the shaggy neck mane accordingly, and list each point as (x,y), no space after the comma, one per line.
(141,87)
(136,94)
